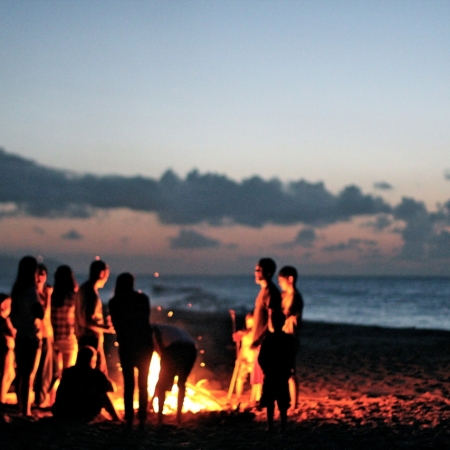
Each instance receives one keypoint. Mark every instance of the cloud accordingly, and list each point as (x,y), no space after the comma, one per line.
(189,239)
(39,191)
(306,237)
(383,186)
(381,222)
(72,235)
(351,244)
(425,235)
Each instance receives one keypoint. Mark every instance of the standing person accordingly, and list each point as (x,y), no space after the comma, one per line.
(7,342)
(178,353)
(26,317)
(292,307)
(246,357)
(44,373)
(89,323)
(130,315)
(63,317)
(277,360)
(267,301)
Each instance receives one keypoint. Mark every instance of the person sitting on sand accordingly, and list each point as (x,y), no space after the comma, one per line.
(130,315)
(178,353)
(277,360)
(292,307)
(7,336)
(83,390)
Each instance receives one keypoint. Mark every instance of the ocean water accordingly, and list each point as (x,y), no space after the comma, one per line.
(383,301)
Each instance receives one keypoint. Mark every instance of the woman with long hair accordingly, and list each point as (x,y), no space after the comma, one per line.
(130,315)
(63,317)
(26,316)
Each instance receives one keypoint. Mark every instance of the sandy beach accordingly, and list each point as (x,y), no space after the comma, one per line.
(360,387)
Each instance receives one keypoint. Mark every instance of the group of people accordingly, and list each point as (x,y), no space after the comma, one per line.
(269,343)
(52,342)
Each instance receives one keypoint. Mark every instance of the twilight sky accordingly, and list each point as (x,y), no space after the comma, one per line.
(197,136)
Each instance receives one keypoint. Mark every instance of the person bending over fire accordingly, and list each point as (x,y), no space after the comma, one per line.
(178,353)
(83,390)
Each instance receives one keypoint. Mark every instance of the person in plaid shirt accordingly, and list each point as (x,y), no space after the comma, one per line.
(63,317)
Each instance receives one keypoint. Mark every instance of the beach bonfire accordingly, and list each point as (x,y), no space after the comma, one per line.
(197,398)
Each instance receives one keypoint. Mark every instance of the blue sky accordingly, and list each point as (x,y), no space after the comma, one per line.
(334,92)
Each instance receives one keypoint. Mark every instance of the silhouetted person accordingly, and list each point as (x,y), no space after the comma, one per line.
(268,300)
(178,353)
(292,307)
(26,316)
(7,342)
(277,360)
(246,356)
(89,323)
(44,373)
(130,315)
(83,390)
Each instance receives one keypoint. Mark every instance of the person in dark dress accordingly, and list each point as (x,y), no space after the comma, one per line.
(130,316)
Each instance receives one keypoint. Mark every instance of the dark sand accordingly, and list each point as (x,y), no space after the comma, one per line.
(360,387)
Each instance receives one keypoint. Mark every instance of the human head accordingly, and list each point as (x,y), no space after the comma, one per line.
(64,279)
(26,274)
(287,277)
(124,283)
(265,269)
(87,357)
(249,321)
(99,272)
(42,273)
(278,319)
(5,305)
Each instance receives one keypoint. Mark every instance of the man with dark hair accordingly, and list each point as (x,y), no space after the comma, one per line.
(83,390)
(89,322)
(268,300)
(292,307)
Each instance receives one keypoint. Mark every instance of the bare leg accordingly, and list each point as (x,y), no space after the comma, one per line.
(180,401)
(8,375)
(161,396)
(110,408)
(293,392)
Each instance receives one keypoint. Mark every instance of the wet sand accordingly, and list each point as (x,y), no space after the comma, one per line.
(360,387)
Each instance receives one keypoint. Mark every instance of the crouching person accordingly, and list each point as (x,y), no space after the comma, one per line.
(83,390)
(178,353)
